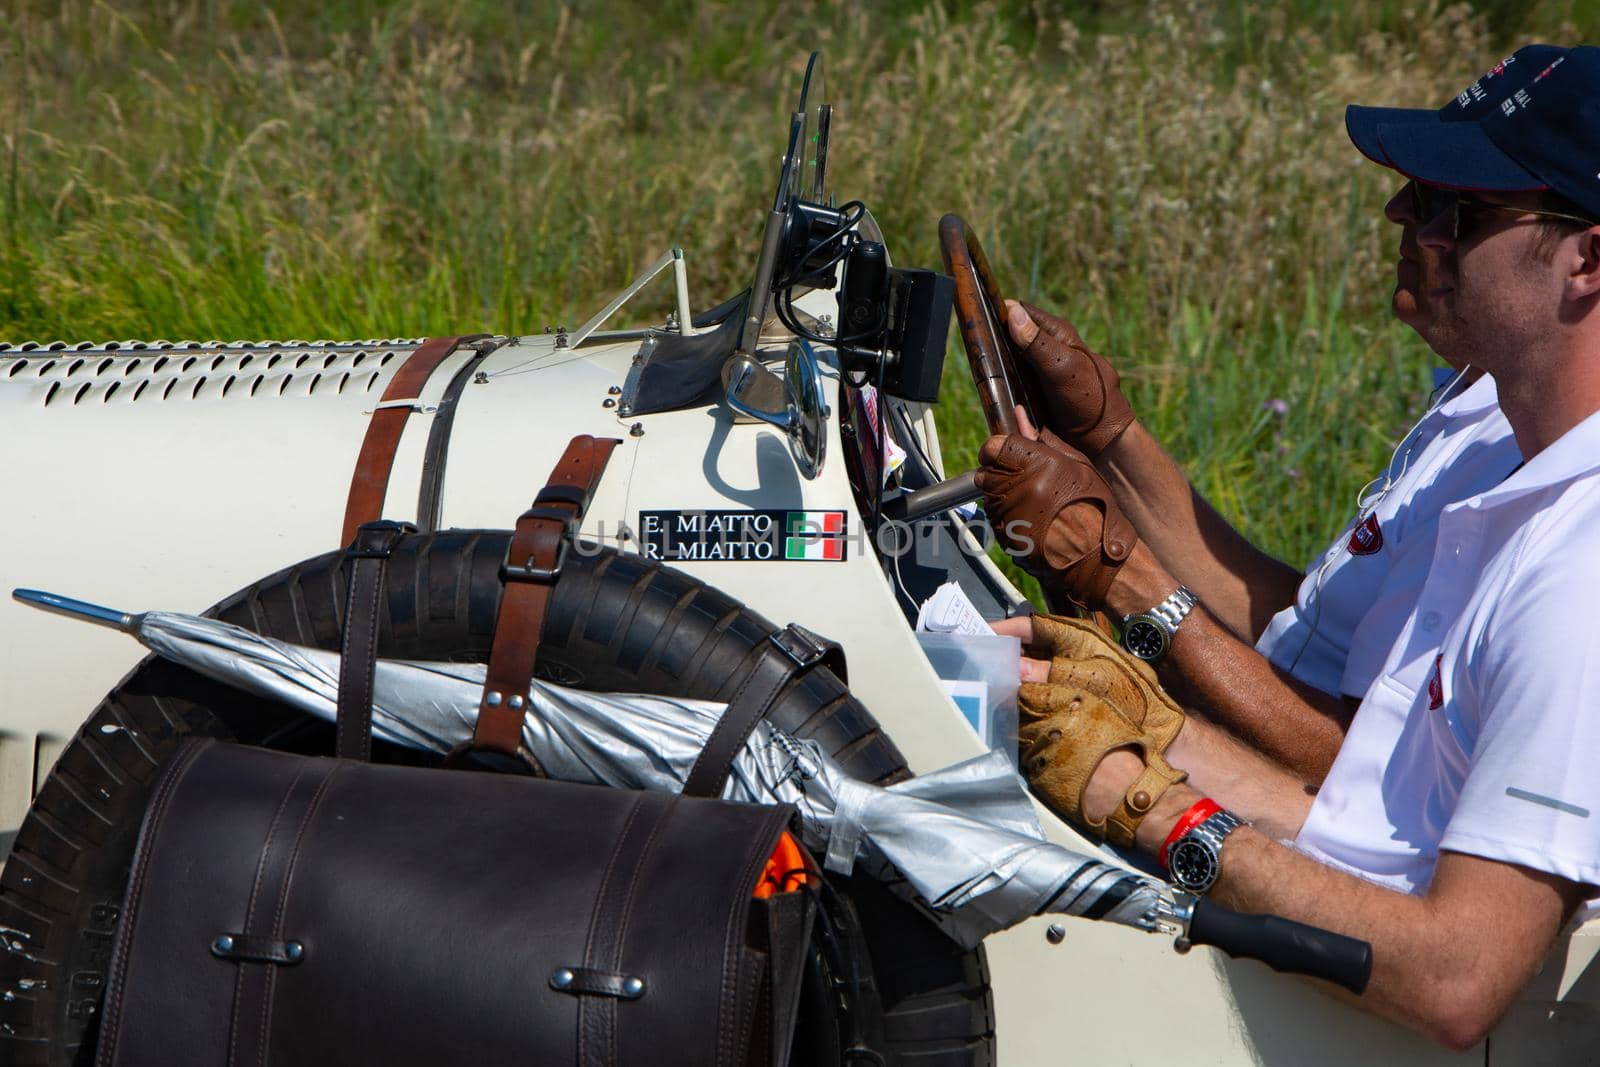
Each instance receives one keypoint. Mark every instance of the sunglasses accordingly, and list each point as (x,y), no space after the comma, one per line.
(1428,202)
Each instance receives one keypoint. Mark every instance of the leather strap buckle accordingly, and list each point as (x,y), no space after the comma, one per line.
(528,572)
(802,646)
(376,540)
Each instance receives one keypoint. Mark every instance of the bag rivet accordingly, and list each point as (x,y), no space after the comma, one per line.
(516,701)
(562,979)
(633,987)
(492,699)
(293,950)
(221,945)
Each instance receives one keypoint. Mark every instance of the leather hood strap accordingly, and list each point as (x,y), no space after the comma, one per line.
(533,563)
(370,482)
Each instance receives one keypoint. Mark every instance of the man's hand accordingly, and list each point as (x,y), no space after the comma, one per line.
(1098,700)
(1054,511)
(1084,401)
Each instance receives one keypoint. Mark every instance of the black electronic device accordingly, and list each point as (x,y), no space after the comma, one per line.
(813,243)
(893,322)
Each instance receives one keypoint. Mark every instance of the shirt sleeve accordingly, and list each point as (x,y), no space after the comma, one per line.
(1531,795)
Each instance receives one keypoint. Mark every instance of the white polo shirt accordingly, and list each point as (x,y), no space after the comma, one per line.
(1482,733)
(1356,596)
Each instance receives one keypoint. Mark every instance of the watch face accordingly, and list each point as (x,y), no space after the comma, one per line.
(1144,639)
(1193,864)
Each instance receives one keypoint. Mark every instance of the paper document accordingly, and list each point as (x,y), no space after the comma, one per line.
(950,611)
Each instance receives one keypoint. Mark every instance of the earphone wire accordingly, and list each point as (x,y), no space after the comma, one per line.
(1366,505)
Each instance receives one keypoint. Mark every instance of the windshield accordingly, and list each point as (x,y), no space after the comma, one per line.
(803,176)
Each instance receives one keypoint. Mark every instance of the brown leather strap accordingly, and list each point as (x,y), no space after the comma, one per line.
(367,555)
(608,926)
(533,563)
(789,652)
(370,482)
(249,1032)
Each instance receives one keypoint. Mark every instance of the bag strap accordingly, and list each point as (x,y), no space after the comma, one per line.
(533,564)
(367,556)
(370,482)
(787,654)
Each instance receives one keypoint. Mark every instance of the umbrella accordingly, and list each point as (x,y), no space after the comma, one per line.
(965,838)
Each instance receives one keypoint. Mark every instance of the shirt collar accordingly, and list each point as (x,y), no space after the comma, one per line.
(1466,400)
(1572,455)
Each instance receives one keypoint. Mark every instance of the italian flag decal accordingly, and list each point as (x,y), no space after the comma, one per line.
(814,535)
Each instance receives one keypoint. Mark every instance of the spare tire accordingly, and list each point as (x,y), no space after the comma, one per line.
(616,622)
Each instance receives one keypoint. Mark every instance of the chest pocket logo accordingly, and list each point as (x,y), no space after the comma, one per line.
(1366,538)
(1436,685)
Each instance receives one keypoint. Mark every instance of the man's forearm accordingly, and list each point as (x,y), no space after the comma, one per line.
(1448,963)
(1209,668)
(1243,586)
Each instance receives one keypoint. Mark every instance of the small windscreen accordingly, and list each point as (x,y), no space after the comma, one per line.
(804,176)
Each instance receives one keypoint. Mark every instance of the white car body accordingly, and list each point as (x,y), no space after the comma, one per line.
(170,487)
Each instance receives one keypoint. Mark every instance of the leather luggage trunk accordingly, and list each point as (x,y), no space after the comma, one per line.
(302,910)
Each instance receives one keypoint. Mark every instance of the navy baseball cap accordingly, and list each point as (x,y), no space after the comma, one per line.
(1472,103)
(1531,124)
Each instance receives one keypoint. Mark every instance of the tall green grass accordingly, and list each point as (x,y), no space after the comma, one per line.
(1174,176)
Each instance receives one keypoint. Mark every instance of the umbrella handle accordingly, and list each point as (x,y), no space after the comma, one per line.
(1282,944)
(77,609)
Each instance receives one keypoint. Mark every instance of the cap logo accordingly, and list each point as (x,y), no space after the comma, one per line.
(1545,73)
(1516,102)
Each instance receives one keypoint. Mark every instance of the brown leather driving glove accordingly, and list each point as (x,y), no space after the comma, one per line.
(1053,511)
(1084,401)
(1098,698)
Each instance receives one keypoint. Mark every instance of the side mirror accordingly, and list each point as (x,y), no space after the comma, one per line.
(804,417)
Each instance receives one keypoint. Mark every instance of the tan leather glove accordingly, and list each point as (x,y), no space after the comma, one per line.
(1053,511)
(1098,698)
(1084,401)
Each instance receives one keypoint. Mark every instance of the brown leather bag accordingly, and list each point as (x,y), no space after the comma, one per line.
(287,909)
(301,910)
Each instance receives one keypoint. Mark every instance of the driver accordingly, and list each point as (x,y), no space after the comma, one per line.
(1462,798)
(1326,639)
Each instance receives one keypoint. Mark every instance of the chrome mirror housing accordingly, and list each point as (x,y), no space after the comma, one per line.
(804,415)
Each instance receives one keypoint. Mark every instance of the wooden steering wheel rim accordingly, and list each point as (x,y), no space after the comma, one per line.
(996,371)
(980,314)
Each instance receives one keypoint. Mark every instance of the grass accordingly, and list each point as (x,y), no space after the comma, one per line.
(1174,176)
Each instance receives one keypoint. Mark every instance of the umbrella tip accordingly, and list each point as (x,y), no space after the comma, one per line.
(77,609)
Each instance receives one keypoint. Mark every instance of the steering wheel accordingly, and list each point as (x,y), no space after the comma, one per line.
(980,313)
(1001,379)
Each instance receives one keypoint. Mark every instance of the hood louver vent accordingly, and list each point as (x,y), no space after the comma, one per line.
(63,375)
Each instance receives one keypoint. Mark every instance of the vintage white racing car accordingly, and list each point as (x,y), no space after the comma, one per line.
(754,441)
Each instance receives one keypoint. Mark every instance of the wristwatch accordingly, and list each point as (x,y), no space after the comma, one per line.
(1148,634)
(1195,859)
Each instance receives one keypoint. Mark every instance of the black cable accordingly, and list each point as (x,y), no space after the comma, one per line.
(851,213)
